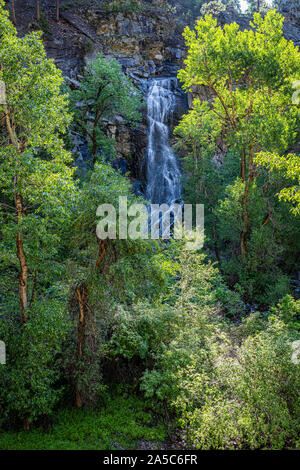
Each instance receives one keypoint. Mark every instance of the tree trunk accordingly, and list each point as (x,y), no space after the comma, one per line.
(94,144)
(244,230)
(94,151)
(13,12)
(245,200)
(38,15)
(57,10)
(26,424)
(23,279)
(81,296)
(243,165)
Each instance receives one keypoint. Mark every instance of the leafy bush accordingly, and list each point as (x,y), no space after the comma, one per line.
(230,386)
(247,399)
(30,379)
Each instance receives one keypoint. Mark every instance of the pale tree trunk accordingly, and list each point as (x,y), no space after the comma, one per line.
(13,12)
(23,279)
(38,15)
(57,10)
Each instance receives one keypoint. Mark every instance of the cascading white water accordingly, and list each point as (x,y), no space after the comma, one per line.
(163,178)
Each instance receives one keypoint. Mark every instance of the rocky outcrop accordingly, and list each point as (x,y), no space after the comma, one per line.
(146,40)
(146,43)
(290,9)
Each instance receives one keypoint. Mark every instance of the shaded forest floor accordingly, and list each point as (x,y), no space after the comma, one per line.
(120,423)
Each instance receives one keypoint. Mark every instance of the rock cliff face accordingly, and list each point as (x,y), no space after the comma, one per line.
(145,39)
(290,9)
(147,43)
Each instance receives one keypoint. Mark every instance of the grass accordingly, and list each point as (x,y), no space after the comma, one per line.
(121,422)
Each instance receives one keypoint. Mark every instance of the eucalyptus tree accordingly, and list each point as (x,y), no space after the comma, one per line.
(105,276)
(36,177)
(37,193)
(249,75)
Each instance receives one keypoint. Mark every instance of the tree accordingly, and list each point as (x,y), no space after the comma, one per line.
(260,6)
(57,10)
(189,10)
(34,162)
(13,11)
(214,8)
(249,75)
(37,193)
(38,13)
(290,166)
(104,277)
(196,139)
(104,92)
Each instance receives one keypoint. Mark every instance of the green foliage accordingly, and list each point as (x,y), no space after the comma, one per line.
(248,397)
(288,310)
(37,190)
(104,92)
(129,271)
(133,268)
(121,423)
(154,316)
(212,8)
(271,242)
(229,386)
(189,10)
(246,79)
(230,56)
(30,379)
(166,334)
(261,6)
(33,158)
(289,165)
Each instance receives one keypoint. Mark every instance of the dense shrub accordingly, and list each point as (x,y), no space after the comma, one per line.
(230,386)
(30,379)
(247,400)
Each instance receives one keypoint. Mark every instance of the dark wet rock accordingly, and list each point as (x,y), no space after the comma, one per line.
(148,445)
(137,187)
(120,164)
(116,445)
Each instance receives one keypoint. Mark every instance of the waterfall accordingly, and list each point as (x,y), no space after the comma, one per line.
(163,178)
